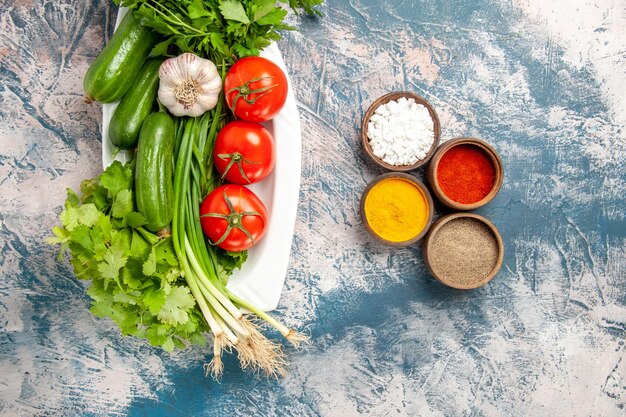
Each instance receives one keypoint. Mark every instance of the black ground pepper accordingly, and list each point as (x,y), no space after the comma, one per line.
(463,251)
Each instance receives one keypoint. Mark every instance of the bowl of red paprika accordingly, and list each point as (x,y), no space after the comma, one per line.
(465,173)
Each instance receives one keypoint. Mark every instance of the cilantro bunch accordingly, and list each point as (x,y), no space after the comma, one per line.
(135,276)
(221,31)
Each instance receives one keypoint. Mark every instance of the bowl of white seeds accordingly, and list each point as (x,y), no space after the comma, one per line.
(400,131)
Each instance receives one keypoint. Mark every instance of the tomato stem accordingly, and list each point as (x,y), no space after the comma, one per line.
(234,219)
(236,158)
(244,91)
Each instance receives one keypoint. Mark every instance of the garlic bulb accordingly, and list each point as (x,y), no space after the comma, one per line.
(189,85)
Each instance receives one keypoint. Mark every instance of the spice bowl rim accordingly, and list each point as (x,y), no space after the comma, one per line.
(431,172)
(434,229)
(425,192)
(395,95)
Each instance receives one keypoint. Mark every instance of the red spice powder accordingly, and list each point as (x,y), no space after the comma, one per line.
(466,174)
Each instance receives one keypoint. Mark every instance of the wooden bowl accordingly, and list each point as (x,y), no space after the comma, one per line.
(385,99)
(431,173)
(427,251)
(419,185)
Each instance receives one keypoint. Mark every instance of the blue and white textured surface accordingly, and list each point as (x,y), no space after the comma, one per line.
(542,81)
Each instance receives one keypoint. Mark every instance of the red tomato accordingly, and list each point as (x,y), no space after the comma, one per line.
(233,217)
(255,88)
(244,152)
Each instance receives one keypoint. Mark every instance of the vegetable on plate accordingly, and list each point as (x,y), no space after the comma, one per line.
(116,67)
(244,152)
(135,106)
(233,217)
(153,174)
(189,86)
(256,89)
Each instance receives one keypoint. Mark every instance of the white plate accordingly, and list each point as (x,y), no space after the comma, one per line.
(261,279)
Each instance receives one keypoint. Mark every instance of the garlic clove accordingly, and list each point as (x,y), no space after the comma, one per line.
(167,95)
(189,65)
(208,75)
(169,72)
(208,99)
(213,85)
(196,110)
(178,109)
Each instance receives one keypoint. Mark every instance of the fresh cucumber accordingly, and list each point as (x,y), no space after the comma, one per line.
(154,170)
(114,70)
(135,106)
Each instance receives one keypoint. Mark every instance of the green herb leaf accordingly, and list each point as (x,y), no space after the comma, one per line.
(178,343)
(161,48)
(72,198)
(81,236)
(231,260)
(60,236)
(233,10)
(154,337)
(114,260)
(88,214)
(116,178)
(165,253)
(262,8)
(154,299)
(122,297)
(97,292)
(70,218)
(307,5)
(178,302)
(196,9)
(149,267)
(168,345)
(242,51)
(123,204)
(135,219)
(132,275)
(274,17)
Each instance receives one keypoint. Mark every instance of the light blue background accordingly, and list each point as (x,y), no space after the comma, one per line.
(545,337)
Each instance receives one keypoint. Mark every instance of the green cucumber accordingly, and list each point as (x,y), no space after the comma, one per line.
(135,106)
(114,70)
(154,188)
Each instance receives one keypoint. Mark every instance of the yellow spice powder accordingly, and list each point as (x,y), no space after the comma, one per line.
(396,209)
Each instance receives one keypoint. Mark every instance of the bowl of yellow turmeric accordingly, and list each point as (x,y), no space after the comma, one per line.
(396,209)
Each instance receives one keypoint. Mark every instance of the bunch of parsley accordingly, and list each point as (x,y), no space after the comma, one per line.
(135,276)
(220,30)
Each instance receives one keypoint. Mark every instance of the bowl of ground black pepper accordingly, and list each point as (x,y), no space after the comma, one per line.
(463,250)
(465,173)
